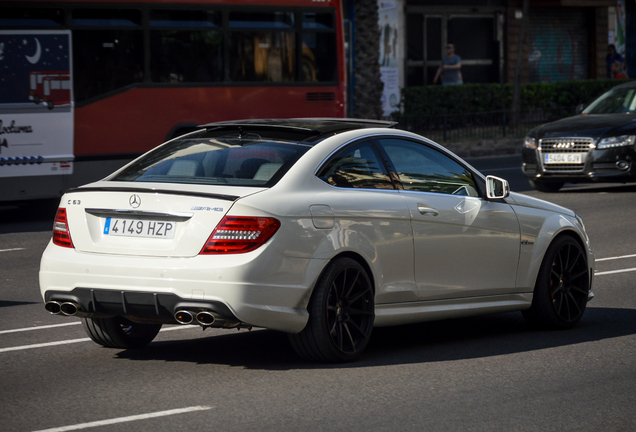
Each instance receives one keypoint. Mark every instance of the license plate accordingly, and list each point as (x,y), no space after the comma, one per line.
(139,228)
(563,158)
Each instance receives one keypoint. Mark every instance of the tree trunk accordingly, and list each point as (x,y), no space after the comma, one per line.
(516,92)
(368,85)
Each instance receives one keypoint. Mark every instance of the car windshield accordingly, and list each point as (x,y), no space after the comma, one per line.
(235,160)
(615,101)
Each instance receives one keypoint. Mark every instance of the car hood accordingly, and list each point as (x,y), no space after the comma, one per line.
(588,125)
(528,201)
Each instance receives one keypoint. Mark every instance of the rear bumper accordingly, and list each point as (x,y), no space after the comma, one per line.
(144,306)
(262,290)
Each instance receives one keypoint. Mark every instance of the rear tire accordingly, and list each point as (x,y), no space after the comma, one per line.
(118,332)
(341,314)
(562,288)
(546,186)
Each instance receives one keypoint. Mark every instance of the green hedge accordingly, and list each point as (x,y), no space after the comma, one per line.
(474,98)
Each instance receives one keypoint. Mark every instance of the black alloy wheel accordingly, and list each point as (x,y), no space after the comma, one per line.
(119,332)
(341,314)
(562,287)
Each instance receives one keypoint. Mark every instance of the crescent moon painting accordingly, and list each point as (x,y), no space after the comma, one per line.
(38,52)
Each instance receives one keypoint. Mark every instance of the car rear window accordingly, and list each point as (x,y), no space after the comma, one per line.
(242,160)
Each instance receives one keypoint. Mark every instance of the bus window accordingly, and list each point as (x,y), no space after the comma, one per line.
(268,20)
(322,21)
(105,61)
(319,63)
(185,18)
(319,42)
(191,53)
(106,18)
(263,56)
(10,18)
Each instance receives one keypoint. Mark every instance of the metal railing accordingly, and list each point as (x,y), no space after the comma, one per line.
(479,126)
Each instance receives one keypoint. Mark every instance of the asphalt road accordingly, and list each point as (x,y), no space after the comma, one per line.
(477,374)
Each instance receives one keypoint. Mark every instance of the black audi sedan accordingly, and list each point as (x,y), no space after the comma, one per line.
(596,146)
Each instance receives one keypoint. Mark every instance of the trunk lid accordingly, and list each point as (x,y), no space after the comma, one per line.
(154,220)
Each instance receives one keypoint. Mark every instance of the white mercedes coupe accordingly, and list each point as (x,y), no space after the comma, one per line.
(320,228)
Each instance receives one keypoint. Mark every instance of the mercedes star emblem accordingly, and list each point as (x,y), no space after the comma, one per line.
(134,201)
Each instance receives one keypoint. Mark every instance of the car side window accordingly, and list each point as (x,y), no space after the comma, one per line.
(356,166)
(424,169)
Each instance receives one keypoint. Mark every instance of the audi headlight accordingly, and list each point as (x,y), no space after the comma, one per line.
(530,142)
(619,141)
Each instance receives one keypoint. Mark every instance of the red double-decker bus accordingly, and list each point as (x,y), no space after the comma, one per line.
(124,76)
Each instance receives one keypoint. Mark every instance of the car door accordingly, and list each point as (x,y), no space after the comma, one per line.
(464,245)
(370,218)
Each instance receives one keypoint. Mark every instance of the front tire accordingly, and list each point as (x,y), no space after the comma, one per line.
(118,332)
(562,288)
(341,314)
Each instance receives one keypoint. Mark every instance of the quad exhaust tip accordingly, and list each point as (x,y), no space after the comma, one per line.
(69,308)
(66,308)
(184,317)
(53,307)
(205,318)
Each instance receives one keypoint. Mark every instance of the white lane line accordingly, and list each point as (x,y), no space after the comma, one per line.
(179,327)
(70,341)
(614,271)
(127,419)
(617,257)
(42,345)
(77,323)
(39,327)
(11,250)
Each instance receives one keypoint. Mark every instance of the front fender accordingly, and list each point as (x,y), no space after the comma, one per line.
(539,228)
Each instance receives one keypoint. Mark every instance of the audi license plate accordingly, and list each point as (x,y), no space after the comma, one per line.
(139,228)
(563,158)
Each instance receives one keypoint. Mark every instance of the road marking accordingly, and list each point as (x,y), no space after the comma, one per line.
(76,323)
(39,327)
(127,419)
(617,257)
(70,341)
(615,271)
(11,250)
(42,345)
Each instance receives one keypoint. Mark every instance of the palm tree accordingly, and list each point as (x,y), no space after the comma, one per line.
(368,85)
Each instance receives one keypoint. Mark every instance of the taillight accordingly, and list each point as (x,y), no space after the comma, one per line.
(61,234)
(240,234)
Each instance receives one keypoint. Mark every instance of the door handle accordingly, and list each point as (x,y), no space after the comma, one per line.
(427,210)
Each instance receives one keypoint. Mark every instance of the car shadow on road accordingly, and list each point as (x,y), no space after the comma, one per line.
(457,339)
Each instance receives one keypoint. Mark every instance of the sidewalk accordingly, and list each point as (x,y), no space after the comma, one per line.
(486,147)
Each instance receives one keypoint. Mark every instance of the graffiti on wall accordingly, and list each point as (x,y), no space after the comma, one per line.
(555,52)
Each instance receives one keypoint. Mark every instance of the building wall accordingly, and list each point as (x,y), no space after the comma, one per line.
(595,30)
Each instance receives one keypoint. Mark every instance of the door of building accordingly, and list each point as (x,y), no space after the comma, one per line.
(477,39)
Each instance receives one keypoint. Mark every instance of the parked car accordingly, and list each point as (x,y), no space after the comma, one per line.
(595,146)
(320,228)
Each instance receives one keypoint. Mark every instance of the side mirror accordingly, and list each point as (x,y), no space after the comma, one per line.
(579,108)
(497,188)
